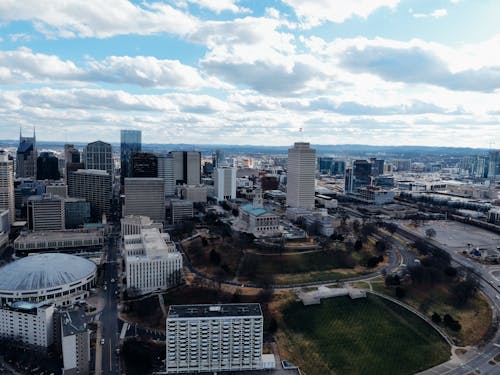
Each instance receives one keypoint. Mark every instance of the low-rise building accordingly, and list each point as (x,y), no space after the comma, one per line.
(133,224)
(212,338)
(152,261)
(71,240)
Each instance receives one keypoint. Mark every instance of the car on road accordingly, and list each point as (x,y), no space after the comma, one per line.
(102,341)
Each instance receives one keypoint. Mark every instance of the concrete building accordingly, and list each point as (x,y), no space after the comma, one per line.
(95,187)
(99,155)
(301,176)
(187,167)
(144,164)
(130,143)
(152,261)
(145,197)
(494,167)
(46,212)
(47,166)
(180,210)
(225,183)
(133,224)
(56,188)
(75,342)
(61,279)
(258,220)
(373,195)
(166,172)
(194,193)
(27,322)
(26,156)
(76,212)
(213,338)
(70,240)
(7,197)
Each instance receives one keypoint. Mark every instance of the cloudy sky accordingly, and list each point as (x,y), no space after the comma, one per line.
(380,72)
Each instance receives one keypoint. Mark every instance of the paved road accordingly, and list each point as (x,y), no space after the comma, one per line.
(109,316)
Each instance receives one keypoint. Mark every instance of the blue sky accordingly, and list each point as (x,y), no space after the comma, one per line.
(383,72)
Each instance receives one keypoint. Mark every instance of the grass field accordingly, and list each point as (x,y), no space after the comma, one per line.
(364,336)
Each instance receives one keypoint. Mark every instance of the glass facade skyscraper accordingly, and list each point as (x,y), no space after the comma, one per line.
(130,143)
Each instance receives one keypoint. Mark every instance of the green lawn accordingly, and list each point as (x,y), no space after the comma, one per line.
(364,336)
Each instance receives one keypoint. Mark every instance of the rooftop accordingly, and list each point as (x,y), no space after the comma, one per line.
(73,322)
(254,211)
(214,311)
(44,271)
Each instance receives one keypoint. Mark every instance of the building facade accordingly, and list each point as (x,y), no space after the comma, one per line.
(212,338)
(180,210)
(46,212)
(166,172)
(99,155)
(47,166)
(144,164)
(133,224)
(152,261)
(225,183)
(95,187)
(301,176)
(145,197)
(75,342)
(26,157)
(7,197)
(77,239)
(130,143)
(187,167)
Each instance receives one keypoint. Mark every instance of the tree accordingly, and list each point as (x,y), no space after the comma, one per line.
(430,233)
(400,292)
(367,230)
(358,245)
(380,246)
(391,228)
(273,326)
(356,225)
(451,323)
(465,290)
(235,212)
(214,257)
(436,318)
(392,280)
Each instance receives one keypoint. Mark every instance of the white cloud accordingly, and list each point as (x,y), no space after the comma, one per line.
(219,5)
(96,18)
(24,66)
(438,13)
(314,12)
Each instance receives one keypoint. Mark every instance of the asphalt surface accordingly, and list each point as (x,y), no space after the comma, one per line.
(109,315)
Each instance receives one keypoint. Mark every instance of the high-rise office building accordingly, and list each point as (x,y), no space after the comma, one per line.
(166,172)
(218,159)
(130,143)
(225,183)
(213,338)
(377,166)
(99,155)
(144,164)
(475,166)
(338,167)
(494,168)
(145,197)
(26,156)
(46,212)
(47,166)
(324,164)
(301,176)
(77,212)
(358,175)
(7,197)
(187,167)
(94,186)
(71,154)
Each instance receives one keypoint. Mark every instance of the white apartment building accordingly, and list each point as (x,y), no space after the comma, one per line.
(225,183)
(145,197)
(210,338)
(133,224)
(46,212)
(27,322)
(152,261)
(301,176)
(7,201)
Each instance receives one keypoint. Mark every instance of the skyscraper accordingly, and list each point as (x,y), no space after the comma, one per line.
(98,155)
(46,212)
(187,167)
(494,169)
(94,186)
(145,197)
(300,176)
(166,172)
(26,156)
(144,164)
(47,166)
(130,143)
(225,183)
(359,175)
(7,201)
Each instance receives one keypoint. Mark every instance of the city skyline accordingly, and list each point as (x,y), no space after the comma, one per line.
(385,72)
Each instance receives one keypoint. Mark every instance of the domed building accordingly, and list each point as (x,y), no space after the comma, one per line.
(58,278)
